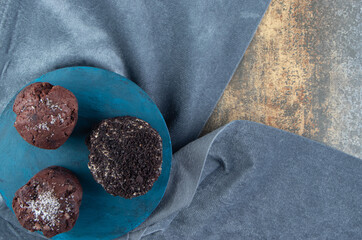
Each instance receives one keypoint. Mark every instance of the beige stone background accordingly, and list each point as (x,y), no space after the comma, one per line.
(302,73)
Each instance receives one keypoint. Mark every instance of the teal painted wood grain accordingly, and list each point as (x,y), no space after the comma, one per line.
(101,94)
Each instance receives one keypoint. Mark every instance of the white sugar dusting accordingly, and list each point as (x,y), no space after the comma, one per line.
(26,108)
(54,107)
(53,119)
(42,126)
(49,103)
(60,118)
(45,207)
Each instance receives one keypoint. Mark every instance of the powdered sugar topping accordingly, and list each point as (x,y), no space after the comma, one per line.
(42,126)
(60,118)
(53,119)
(49,103)
(45,207)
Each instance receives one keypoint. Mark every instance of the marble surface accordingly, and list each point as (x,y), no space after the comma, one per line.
(302,73)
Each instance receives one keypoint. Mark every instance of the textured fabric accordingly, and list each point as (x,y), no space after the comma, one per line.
(182,53)
(261,183)
(250,181)
(243,181)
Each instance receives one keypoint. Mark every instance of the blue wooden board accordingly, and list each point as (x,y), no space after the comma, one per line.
(101,94)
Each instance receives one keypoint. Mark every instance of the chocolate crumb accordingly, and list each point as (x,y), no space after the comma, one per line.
(125,156)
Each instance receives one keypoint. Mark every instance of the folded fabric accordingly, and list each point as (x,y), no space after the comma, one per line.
(258,182)
(250,181)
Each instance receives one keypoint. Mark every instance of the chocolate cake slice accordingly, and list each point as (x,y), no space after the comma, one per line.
(125,156)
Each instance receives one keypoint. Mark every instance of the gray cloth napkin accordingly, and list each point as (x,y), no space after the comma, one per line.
(243,181)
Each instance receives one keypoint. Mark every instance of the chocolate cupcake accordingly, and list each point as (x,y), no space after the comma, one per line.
(46,114)
(49,202)
(125,156)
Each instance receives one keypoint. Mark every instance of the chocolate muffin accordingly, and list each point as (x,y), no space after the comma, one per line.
(49,202)
(125,156)
(46,114)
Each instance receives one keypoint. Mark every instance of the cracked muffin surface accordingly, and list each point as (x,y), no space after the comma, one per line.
(46,114)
